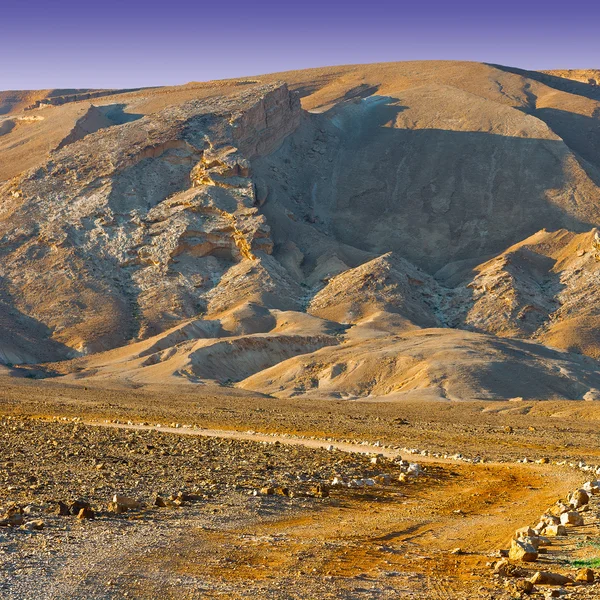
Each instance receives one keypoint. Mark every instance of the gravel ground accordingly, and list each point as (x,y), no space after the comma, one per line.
(229,538)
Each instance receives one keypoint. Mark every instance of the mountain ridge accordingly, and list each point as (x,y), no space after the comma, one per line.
(382,200)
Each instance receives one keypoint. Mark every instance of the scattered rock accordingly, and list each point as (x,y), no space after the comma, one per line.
(507,569)
(555,530)
(36,525)
(320,490)
(60,509)
(524,586)
(548,578)
(77,506)
(525,532)
(579,498)
(556,593)
(115,507)
(585,576)
(571,518)
(126,502)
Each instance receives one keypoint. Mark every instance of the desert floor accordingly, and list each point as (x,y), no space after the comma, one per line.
(247,517)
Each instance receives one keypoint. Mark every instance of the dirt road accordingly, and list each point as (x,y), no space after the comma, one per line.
(366,543)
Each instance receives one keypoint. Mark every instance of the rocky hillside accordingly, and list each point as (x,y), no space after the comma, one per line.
(376,230)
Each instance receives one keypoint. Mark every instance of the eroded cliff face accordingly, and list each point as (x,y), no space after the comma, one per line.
(124,232)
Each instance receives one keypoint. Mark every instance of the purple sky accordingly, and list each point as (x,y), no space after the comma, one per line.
(130,43)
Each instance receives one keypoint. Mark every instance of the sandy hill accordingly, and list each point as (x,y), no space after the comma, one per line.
(365,230)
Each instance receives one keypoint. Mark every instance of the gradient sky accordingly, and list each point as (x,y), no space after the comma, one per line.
(131,43)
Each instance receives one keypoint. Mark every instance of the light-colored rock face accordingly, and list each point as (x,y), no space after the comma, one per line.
(127,230)
(407,224)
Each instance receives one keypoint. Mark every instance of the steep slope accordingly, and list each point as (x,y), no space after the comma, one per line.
(546,287)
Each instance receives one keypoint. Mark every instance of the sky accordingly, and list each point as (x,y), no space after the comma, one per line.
(134,43)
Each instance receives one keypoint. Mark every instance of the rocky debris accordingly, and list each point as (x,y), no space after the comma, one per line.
(592,487)
(60,508)
(320,491)
(555,522)
(162,502)
(507,569)
(556,593)
(13,517)
(146,461)
(533,540)
(126,502)
(164,474)
(36,525)
(524,586)
(115,507)
(522,550)
(525,532)
(77,506)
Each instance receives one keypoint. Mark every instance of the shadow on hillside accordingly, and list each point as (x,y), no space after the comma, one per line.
(580,133)
(116,113)
(26,335)
(440,195)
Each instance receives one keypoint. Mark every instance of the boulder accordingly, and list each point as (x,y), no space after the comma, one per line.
(533,540)
(507,569)
(522,550)
(126,502)
(555,530)
(592,487)
(36,525)
(524,532)
(320,491)
(164,502)
(571,518)
(524,585)
(548,578)
(60,508)
(76,507)
(579,498)
(585,576)
(86,513)
(115,507)
(13,517)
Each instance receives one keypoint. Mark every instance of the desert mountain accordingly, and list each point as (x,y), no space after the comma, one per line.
(374,230)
